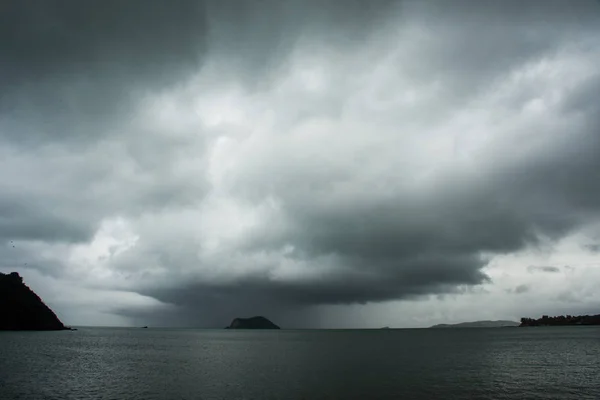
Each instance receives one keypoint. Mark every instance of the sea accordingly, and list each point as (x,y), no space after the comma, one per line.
(178,364)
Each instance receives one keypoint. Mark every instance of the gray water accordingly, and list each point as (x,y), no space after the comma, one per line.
(102,363)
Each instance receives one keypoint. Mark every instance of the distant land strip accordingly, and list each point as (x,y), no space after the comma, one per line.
(479,324)
(561,320)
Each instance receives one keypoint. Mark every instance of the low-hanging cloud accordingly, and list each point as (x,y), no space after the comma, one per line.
(548,268)
(226,158)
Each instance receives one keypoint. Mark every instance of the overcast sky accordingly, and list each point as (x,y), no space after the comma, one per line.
(323,163)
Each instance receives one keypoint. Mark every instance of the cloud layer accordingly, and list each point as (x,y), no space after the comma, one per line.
(192,162)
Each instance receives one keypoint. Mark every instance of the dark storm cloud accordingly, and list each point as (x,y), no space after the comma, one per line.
(356,282)
(535,268)
(45,40)
(69,66)
(71,72)
(409,244)
(255,37)
(71,69)
(358,216)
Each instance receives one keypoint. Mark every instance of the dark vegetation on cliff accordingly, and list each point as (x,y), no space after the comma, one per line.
(252,323)
(562,320)
(22,309)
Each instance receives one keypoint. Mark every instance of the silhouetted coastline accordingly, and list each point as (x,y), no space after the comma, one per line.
(561,320)
(22,309)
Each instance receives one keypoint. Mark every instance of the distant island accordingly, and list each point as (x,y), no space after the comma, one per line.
(22,309)
(561,320)
(252,323)
(479,324)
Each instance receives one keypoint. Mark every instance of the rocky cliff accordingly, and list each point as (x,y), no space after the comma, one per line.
(22,309)
(252,323)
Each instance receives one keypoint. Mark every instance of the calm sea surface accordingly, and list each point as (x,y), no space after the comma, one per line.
(121,364)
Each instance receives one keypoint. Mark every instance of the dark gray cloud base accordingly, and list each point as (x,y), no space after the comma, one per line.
(73,74)
(68,67)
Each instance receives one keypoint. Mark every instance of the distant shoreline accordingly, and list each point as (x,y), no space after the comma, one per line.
(479,324)
(562,320)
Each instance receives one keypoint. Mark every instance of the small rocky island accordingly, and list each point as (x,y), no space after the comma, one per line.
(561,320)
(22,309)
(252,323)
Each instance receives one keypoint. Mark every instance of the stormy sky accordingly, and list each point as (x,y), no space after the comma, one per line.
(323,163)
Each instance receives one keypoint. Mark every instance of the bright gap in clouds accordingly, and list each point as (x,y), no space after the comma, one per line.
(361,165)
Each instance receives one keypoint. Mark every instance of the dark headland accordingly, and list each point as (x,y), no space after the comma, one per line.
(252,323)
(561,320)
(22,309)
